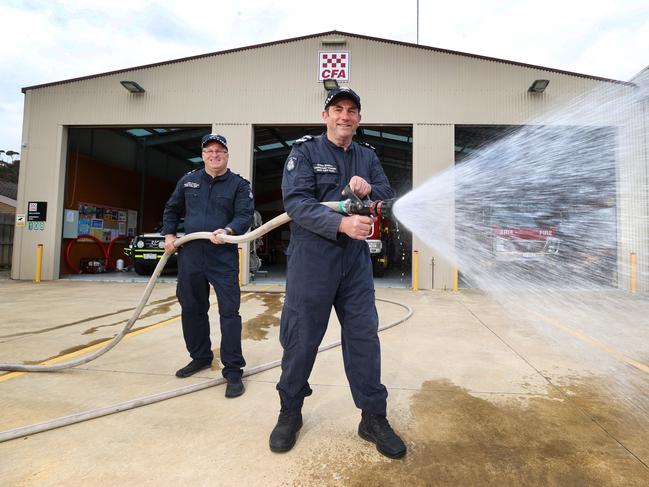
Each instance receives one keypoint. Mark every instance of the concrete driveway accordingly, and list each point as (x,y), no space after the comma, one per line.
(482,395)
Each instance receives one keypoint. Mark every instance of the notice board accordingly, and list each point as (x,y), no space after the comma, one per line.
(105,222)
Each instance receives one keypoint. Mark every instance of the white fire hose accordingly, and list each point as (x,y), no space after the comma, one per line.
(115,408)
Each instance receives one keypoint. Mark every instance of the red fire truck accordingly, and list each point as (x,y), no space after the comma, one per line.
(522,232)
(378,243)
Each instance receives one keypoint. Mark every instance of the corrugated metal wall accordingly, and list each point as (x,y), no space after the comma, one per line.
(277,84)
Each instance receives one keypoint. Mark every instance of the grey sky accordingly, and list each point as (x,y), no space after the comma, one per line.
(46,41)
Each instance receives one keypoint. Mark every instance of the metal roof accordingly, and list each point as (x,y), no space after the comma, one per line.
(8,189)
(311,36)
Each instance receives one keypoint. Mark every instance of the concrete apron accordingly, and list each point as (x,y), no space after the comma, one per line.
(481,398)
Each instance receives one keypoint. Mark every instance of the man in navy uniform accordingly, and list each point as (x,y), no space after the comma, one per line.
(329,265)
(216,200)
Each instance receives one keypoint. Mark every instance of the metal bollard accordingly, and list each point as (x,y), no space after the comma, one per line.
(39,262)
(415,270)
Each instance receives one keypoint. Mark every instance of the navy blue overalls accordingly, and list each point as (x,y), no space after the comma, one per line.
(325,269)
(209,203)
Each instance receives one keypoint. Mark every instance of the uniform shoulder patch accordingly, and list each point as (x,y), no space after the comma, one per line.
(244,179)
(301,140)
(365,144)
(290,163)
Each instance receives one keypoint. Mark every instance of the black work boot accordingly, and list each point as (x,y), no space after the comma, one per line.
(375,428)
(284,434)
(235,387)
(192,367)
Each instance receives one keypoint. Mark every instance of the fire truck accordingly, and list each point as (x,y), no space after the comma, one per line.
(379,246)
(523,232)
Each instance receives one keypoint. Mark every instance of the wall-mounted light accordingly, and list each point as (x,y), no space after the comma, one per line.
(132,86)
(539,86)
(330,84)
(334,41)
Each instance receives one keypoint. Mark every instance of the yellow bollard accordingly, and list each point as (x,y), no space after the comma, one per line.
(240,262)
(39,262)
(634,270)
(415,270)
(456,279)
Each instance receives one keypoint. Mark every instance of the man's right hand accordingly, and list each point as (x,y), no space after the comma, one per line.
(357,227)
(169,244)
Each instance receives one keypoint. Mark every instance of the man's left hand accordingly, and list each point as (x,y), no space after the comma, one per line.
(360,187)
(215,239)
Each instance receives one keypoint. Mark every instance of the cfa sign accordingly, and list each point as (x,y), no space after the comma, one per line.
(333,65)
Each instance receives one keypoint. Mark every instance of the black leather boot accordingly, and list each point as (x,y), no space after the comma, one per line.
(284,434)
(234,388)
(375,428)
(192,367)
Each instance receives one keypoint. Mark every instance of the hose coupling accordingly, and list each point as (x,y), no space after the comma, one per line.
(353,205)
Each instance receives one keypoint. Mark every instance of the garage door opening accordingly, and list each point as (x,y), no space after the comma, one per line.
(118,180)
(272,144)
(547,226)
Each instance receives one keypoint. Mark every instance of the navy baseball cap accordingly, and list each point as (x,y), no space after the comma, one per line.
(342,92)
(214,138)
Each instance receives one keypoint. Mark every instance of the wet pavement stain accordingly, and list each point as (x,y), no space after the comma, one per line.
(254,329)
(257,328)
(158,310)
(99,340)
(76,348)
(169,300)
(455,438)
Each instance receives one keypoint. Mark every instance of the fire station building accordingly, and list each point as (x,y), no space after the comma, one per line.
(101,154)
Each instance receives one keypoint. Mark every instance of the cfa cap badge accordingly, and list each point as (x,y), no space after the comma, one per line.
(290,165)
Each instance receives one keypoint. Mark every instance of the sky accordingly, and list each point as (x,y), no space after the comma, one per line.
(51,40)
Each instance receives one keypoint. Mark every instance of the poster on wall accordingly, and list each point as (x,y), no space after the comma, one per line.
(84,226)
(106,223)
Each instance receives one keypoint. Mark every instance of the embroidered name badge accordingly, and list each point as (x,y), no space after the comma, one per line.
(190,184)
(325,167)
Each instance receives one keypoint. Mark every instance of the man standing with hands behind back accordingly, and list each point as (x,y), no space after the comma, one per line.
(216,200)
(329,265)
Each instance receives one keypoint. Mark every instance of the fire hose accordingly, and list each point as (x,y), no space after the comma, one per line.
(352,205)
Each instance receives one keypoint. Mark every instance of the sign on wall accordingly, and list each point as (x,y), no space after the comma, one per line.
(333,65)
(37,211)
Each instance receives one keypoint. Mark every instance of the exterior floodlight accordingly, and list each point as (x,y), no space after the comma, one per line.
(132,86)
(334,41)
(330,84)
(539,86)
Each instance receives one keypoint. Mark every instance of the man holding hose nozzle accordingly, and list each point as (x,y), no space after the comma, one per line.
(216,200)
(329,265)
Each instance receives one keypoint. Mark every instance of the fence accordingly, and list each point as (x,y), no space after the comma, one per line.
(6,238)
